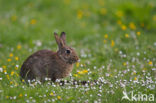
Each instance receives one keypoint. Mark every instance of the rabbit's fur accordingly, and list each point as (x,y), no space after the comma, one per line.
(48,64)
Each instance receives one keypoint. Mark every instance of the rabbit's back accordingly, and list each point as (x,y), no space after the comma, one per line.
(35,64)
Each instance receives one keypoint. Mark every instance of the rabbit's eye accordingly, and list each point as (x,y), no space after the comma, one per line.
(68,51)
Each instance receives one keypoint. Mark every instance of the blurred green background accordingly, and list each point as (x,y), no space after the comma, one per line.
(26,20)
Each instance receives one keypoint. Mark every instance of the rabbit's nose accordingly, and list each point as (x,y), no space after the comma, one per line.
(76,58)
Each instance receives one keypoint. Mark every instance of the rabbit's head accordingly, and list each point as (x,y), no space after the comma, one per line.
(65,52)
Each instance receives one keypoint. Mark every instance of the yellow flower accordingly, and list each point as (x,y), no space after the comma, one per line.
(132,26)
(85,71)
(58,97)
(106,36)
(23,80)
(123,27)
(51,94)
(154,18)
(75,75)
(119,13)
(16,58)
(124,64)
(144,69)
(79,14)
(16,68)
(11,82)
(80,72)
(135,78)
(103,11)
(18,46)
(112,43)
(8,77)
(9,60)
(4,71)
(67,1)
(138,33)
(20,95)
(7,97)
(16,84)
(12,73)
(126,35)
(4,67)
(105,41)
(11,55)
(134,73)
(150,63)
(33,21)
(119,22)
(101,2)
(13,18)
(116,49)
(77,64)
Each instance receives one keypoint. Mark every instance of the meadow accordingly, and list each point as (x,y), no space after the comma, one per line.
(115,41)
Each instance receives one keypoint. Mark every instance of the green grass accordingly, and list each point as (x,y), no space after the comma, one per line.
(114,59)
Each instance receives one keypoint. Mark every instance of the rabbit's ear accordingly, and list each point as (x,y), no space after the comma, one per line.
(59,41)
(63,37)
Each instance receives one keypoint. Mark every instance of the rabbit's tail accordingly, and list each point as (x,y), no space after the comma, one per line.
(25,73)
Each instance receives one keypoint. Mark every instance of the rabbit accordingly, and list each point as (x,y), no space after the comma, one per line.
(48,64)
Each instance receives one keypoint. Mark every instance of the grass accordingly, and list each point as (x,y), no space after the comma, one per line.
(114,39)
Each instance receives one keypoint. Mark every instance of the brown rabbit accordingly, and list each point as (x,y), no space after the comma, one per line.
(48,64)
